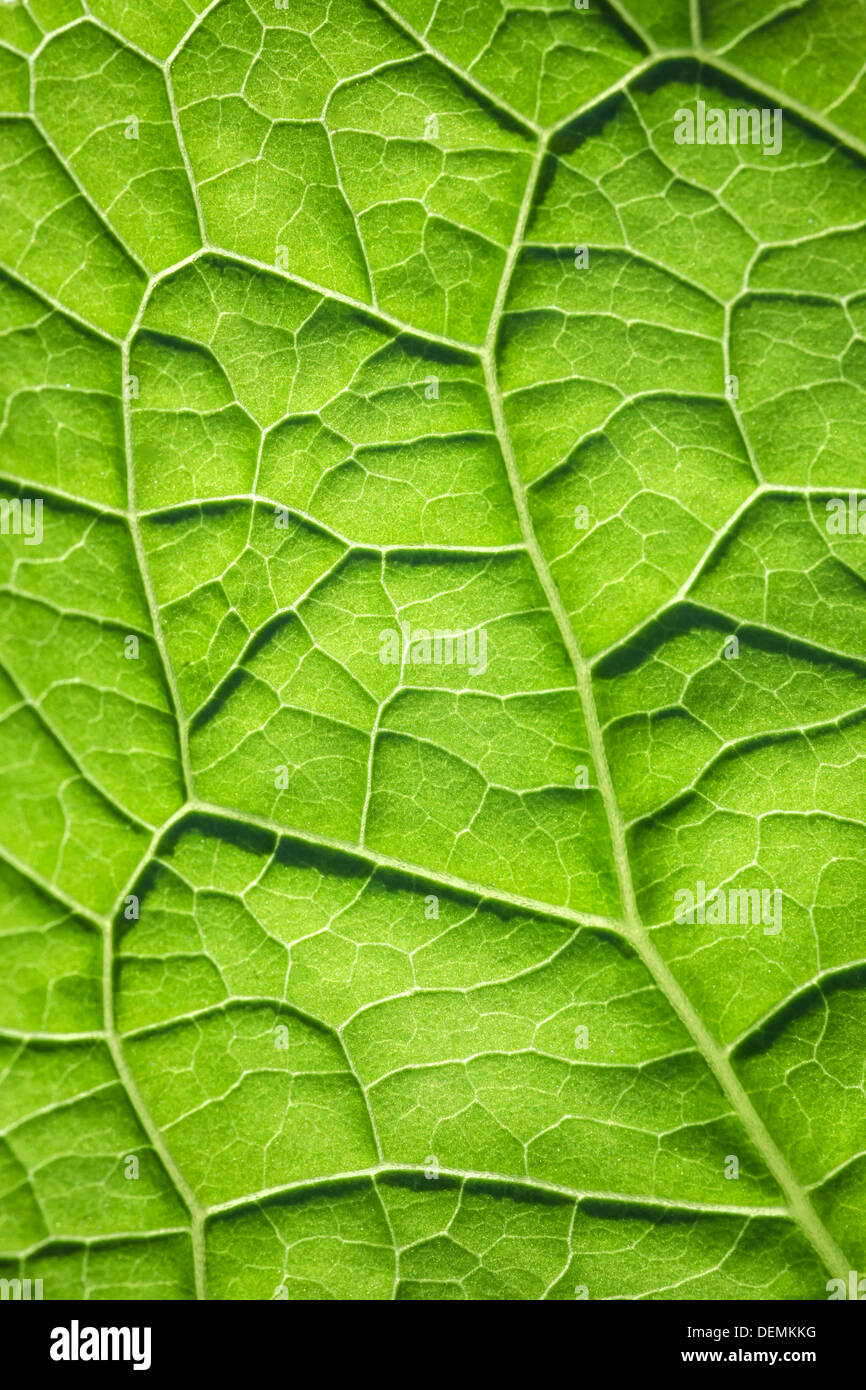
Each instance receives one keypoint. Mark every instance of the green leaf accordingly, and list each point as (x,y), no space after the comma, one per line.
(332,976)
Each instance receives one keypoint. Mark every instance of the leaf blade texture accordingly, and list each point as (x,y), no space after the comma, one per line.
(329,976)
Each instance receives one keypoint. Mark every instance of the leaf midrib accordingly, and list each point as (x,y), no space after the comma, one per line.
(715,1057)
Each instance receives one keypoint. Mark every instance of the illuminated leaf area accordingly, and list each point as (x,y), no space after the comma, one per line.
(326,976)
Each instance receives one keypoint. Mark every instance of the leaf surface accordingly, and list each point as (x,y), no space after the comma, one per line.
(328,977)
